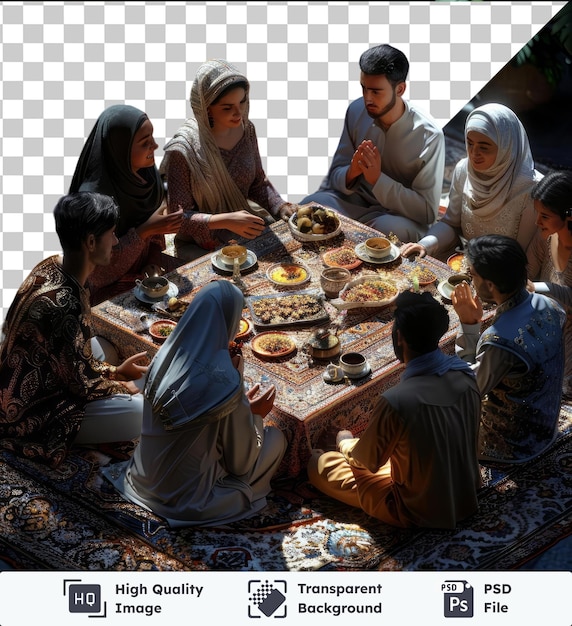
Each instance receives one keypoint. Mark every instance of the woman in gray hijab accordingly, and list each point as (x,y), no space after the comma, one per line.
(204,456)
(213,168)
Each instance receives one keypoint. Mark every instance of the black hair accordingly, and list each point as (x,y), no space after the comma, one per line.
(238,84)
(387,60)
(421,320)
(78,215)
(500,259)
(555,192)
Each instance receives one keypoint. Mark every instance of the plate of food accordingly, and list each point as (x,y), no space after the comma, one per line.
(244,328)
(367,291)
(303,307)
(288,274)
(272,344)
(423,274)
(314,222)
(173,308)
(341,257)
(161,329)
(457,263)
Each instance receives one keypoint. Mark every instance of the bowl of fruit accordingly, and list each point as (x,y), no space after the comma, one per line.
(314,222)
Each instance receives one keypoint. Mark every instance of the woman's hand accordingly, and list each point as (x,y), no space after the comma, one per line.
(264,403)
(286,210)
(161,223)
(242,223)
(411,249)
(131,368)
(468,306)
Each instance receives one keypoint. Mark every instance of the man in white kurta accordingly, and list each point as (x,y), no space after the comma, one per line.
(388,168)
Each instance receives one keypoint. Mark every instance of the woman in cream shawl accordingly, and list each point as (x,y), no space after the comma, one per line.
(204,456)
(490,192)
(213,168)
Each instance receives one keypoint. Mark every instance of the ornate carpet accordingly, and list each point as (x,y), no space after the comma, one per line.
(71,519)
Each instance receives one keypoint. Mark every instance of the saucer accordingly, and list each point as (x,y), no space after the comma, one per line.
(364,372)
(143,297)
(364,256)
(251,260)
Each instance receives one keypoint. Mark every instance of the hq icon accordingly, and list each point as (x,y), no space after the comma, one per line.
(458,598)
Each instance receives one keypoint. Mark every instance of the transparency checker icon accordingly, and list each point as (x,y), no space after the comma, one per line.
(267,598)
(84,598)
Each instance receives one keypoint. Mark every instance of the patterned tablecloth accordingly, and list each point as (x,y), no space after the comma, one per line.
(307,409)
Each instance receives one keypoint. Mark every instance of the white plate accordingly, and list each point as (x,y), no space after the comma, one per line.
(143,297)
(251,260)
(364,256)
(445,289)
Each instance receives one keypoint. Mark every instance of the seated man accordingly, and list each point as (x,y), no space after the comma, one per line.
(416,463)
(53,392)
(519,358)
(388,168)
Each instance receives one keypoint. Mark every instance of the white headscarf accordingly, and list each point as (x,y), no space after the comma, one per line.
(212,186)
(513,170)
(192,376)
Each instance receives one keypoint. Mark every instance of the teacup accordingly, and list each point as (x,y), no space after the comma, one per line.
(232,254)
(378,247)
(333,280)
(352,363)
(153,286)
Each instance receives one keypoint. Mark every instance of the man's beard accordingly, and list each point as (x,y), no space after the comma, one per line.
(386,109)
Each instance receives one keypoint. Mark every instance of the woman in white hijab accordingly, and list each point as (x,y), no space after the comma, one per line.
(204,456)
(490,189)
(213,167)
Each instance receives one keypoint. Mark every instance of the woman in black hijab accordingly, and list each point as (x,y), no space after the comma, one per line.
(118,160)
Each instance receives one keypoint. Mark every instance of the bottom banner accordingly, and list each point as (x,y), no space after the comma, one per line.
(78,598)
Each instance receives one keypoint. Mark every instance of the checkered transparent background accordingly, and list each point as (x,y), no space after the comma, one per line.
(63,63)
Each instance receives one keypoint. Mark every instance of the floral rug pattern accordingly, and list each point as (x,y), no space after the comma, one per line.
(71,519)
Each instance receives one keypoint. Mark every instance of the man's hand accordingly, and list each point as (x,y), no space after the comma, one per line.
(468,306)
(367,161)
(131,368)
(412,249)
(264,403)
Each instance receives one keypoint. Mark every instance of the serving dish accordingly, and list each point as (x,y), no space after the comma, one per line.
(174,308)
(457,262)
(362,254)
(272,344)
(288,274)
(161,329)
(368,291)
(318,215)
(424,275)
(342,257)
(299,308)
(244,328)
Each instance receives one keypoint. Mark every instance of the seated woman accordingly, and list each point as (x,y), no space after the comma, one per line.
(118,160)
(213,167)
(204,457)
(550,252)
(490,188)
